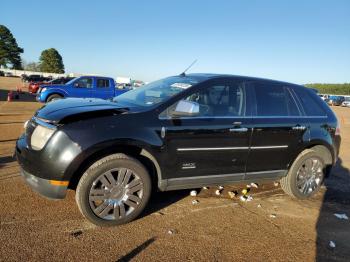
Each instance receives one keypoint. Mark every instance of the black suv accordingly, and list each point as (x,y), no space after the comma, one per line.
(184,131)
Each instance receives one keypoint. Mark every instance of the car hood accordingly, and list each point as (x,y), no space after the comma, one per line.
(74,109)
(51,86)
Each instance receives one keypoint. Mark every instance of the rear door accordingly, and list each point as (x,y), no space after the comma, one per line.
(104,88)
(279,130)
(214,143)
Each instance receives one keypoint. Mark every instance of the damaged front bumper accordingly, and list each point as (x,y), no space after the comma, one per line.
(49,188)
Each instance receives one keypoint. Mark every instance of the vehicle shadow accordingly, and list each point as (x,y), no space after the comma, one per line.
(20,97)
(336,199)
(5,160)
(160,200)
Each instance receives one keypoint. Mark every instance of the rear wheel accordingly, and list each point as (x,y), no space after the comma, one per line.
(53,97)
(114,190)
(305,176)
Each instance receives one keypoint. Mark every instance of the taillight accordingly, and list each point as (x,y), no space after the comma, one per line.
(337,130)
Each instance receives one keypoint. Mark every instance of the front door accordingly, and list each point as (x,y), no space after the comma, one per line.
(82,87)
(279,130)
(214,143)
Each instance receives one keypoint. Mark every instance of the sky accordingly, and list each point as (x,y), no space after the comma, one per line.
(297,41)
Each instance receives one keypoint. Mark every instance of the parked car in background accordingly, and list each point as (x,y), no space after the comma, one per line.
(35,78)
(33,87)
(346,102)
(323,97)
(84,87)
(185,131)
(335,100)
(9,74)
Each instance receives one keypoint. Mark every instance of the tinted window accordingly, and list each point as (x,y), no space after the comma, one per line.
(310,105)
(102,83)
(218,100)
(274,100)
(84,83)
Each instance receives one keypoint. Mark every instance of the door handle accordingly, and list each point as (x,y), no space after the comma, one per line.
(298,127)
(239,129)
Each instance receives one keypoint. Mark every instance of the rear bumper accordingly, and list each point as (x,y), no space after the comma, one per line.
(44,187)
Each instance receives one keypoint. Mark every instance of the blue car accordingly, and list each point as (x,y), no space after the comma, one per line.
(83,87)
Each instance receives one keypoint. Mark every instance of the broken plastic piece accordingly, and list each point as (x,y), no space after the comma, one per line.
(205,188)
(259,205)
(276,183)
(273,216)
(220,187)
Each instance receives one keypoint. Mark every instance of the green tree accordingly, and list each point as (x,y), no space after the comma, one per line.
(10,52)
(32,66)
(51,61)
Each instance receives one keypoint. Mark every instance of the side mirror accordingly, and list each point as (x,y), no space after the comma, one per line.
(185,108)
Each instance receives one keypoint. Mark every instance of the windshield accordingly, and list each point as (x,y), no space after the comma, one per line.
(71,81)
(156,92)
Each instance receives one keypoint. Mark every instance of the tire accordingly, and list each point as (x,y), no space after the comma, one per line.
(296,175)
(117,198)
(53,97)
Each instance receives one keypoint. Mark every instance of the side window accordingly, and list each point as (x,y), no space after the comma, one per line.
(85,82)
(220,100)
(274,100)
(309,103)
(102,83)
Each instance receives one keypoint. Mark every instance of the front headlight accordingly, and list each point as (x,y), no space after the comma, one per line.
(43,90)
(40,137)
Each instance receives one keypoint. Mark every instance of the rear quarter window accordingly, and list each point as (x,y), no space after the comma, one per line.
(311,103)
(274,100)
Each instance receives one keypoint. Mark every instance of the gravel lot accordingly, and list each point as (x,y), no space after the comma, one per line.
(215,229)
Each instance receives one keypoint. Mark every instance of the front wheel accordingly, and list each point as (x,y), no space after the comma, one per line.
(305,176)
(114,190)
(53,97)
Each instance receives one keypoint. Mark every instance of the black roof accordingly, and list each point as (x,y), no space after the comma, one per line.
(207,76)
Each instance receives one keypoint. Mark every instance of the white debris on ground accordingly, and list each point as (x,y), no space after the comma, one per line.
(259,205)
(193,193)
(254,185)
(232,194)
(245,198)
(205,188)
(195,202)
(171,231)
(332,244)
(218,192)
(273,216)
(276,183)
(342,216)
(220,187)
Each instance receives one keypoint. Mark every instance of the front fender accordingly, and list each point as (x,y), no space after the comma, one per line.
(42,97)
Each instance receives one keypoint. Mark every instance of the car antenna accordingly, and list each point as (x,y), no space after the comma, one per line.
(183,73)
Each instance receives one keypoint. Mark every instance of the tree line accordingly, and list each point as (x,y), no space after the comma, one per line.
(336,89)
(50,60)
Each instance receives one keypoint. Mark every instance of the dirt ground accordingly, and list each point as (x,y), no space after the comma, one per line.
(272,227)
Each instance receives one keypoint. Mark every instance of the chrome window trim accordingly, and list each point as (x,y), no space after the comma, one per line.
(228,148)
(237,117)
